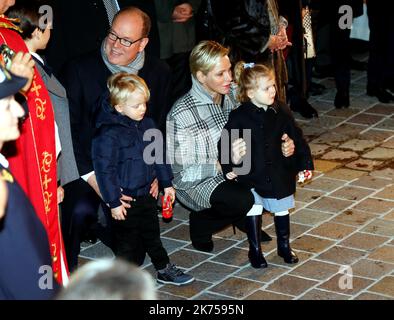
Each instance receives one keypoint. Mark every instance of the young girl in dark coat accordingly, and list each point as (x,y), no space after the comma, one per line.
(124,169)
(272,177)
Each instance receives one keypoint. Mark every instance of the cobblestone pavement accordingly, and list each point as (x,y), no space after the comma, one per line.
(343,223)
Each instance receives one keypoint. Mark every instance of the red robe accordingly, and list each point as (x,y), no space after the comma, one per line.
(33,160)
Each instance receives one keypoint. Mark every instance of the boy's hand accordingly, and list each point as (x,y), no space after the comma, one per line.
(119,213)
(154,189)
(125,200)
(170,191)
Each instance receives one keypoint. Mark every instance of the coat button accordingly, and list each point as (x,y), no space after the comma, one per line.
(54,258)
(261,126)
(269,180)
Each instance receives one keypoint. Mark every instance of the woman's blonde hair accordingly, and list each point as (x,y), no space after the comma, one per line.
(121,85)
(246,76)
(205,56)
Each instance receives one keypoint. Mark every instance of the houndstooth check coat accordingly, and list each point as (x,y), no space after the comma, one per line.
(194,126)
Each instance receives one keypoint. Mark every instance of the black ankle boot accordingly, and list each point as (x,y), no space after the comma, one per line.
(253,227)
(282,227)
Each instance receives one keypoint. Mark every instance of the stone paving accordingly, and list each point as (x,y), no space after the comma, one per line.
(343,223)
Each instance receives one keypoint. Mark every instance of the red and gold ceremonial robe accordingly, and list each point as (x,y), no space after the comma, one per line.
(33,158)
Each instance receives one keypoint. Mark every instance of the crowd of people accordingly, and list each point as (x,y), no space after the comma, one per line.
(195,99)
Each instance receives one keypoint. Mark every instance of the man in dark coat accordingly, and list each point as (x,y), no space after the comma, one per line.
(85,82)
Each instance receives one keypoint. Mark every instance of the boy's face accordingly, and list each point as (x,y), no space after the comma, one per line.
(10,112)
(44,37)
(134,107)
(264,93)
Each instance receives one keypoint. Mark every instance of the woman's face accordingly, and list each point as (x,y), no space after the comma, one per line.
(10,112)
(218,79)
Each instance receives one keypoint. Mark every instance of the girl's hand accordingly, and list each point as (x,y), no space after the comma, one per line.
(304,175)
(119,213)
(238,150)
(170,191)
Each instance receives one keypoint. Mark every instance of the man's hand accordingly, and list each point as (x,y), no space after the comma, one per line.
(182,13)
(154,189)
(288,146)
(23,66)
(238,150)
(92,181)
(119,213)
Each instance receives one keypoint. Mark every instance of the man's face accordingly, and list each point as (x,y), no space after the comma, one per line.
(5,4)
(127,26)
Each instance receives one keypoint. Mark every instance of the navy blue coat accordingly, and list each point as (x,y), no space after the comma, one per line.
(117,153)
(272,174)
(24,248)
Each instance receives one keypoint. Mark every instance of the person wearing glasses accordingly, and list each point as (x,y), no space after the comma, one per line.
(85,78)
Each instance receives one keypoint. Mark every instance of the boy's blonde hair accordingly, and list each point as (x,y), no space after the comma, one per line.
(205,55)
(121,85)
(246,76)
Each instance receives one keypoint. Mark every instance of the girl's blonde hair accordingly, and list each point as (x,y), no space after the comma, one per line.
(121,85)
(205,55)
(246,76)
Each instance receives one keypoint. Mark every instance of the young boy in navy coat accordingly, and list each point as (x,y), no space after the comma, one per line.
(124,171)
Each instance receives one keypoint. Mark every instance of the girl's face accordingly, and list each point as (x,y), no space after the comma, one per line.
(134,107)
(10,112)
(264,92)
(218,80)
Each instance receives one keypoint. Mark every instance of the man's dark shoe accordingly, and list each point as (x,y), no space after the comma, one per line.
(342,100)
(382,94)
(203,246)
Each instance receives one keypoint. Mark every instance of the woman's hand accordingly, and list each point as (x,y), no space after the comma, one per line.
(170,191)
(119,213)
(231,175)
